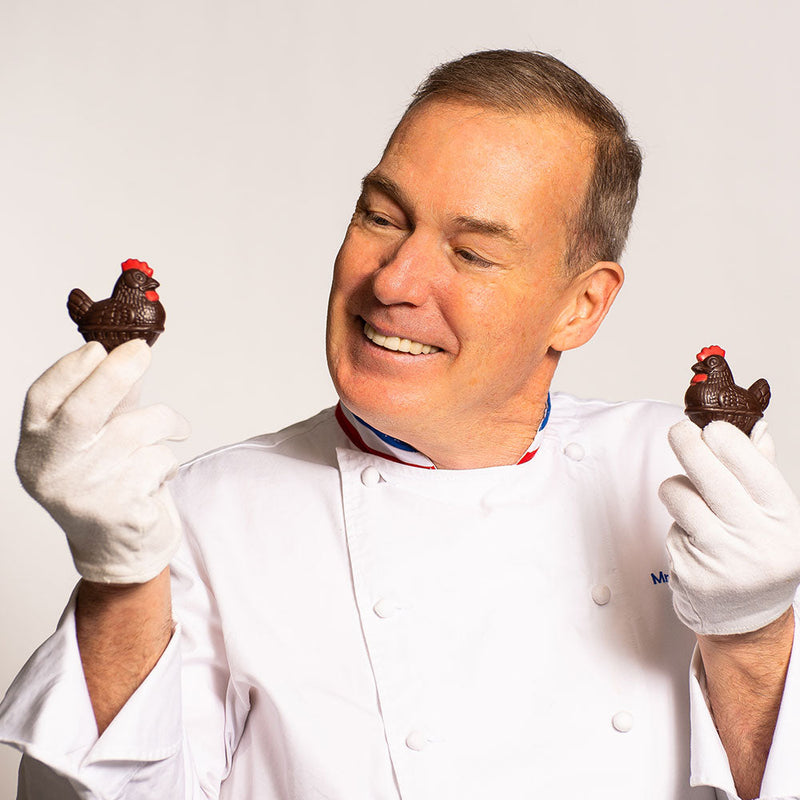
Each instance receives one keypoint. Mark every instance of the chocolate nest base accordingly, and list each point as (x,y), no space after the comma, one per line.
(743,420)
(111,338)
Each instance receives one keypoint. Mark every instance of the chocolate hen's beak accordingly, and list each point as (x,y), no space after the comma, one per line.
(151,283)
(700,373)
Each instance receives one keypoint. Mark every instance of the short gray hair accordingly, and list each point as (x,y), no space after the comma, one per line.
(533,82)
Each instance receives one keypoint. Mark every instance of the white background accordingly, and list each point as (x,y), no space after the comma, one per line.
(223,142)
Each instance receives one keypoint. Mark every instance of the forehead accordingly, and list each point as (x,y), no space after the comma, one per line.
(457,158)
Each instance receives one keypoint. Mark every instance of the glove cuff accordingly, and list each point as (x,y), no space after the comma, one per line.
(134,570)
(735,613)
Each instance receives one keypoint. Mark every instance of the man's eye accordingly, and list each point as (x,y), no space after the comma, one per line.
(472,258)
(371,217)
(377,219)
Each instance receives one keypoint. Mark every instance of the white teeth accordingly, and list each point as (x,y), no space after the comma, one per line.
(397,344)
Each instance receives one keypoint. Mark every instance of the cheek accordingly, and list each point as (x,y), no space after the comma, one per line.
(341,269)
(341,291)
(353,267)
(497,319)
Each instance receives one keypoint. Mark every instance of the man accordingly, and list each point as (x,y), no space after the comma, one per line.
(453,584)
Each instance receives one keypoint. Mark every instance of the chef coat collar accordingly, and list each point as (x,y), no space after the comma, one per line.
(371,440)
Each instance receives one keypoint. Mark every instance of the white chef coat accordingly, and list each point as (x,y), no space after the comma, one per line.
(354,628)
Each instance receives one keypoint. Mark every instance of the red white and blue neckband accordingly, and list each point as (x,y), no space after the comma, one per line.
(371,440)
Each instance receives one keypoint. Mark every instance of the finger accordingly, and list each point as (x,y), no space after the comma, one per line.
(164,497)
(141,427)
(92,402)
(734,450)
(762,440)
(151,467)
(718,487)
(131,400)
(55,384)
(686,505)
(684,556)
(161,463)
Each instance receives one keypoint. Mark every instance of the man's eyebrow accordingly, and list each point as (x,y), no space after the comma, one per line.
(380,183)
(488,227)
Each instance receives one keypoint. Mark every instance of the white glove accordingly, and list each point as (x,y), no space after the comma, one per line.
(101,471)
(735,545)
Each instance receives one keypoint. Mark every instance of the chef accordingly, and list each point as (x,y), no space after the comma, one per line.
(454,583)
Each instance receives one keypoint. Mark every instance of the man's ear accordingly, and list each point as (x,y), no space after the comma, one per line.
(589,297)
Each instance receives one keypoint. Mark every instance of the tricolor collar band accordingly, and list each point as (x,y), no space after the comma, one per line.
(371,440)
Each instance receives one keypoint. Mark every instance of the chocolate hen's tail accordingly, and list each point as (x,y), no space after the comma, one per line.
(78,303)
(760,390)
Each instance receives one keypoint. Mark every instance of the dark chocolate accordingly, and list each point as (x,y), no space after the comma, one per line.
(713,394)
(132,312)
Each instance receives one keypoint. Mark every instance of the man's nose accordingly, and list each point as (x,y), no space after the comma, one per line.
(407,273)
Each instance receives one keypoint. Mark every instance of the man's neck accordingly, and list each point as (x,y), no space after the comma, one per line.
(482,449)
(497,442)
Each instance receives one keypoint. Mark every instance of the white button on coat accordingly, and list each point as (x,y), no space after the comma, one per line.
(370,476)
(417,740)
(386,607)
(622,721)
(601,594)
(574,451)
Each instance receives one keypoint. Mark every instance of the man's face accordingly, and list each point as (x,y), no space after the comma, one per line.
(454,253)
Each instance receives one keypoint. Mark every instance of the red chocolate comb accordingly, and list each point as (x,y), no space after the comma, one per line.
(132,263)
(713,350)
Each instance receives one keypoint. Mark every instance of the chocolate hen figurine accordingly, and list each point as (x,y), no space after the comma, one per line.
(713,395)
(132,311)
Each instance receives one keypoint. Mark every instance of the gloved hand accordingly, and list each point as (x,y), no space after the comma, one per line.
(735,545)
(99,470)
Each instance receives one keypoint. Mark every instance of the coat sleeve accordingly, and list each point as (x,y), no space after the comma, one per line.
(710,763)
(175,736)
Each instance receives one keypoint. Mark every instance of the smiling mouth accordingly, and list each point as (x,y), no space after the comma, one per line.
(397,344)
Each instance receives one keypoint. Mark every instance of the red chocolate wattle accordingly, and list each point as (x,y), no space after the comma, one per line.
(713,394)
(132,312)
